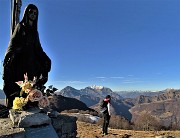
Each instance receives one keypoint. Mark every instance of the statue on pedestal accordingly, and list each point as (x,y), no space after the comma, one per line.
(24,55)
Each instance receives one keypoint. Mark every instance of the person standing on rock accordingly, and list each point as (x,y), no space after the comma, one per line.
(24,55)
(106,114)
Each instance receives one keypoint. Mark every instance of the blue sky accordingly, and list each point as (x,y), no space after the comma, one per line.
(120,44)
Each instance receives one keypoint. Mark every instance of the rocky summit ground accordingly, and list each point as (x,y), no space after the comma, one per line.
(88,130)
(7,128)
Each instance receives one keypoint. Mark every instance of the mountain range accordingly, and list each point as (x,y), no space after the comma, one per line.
(134,94)
(89,95)
(164,107)
(2,95)
(92,97)
(162,104)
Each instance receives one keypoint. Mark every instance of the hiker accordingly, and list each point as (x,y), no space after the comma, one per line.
(106,114)
(24,55)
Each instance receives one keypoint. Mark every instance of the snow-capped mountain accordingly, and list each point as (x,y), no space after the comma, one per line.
(92,96)
(96,87)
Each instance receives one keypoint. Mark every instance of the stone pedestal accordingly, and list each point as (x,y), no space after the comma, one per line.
(46,131)
(28,124)
(24,119)
(65,126)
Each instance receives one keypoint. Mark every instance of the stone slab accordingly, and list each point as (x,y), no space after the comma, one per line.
(41,132)
(28,120)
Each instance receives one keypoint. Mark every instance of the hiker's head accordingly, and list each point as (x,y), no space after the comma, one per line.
(108,97)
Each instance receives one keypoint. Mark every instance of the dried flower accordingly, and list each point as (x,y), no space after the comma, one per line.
(35,95)
(43,102)
(26,85)
(19,102)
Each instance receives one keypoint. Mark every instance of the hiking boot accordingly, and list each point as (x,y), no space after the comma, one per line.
(104,134)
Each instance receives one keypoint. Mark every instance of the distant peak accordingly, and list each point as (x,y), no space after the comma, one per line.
(96,87)
(69,87)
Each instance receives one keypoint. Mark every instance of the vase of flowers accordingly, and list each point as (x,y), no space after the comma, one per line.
(29,96)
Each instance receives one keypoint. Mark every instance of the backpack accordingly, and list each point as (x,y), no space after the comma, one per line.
(103,106)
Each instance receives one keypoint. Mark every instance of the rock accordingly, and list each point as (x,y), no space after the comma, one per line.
(33,110)
(37,124)
(126,136)
(28,120)
(65,126)
(14,116)
(159,137)
(164,136)
(41,132)
(53,114)
(4,111)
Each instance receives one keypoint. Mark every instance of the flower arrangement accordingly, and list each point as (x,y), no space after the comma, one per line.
(31,95)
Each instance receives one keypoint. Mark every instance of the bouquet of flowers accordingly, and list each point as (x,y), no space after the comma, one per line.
(31,95)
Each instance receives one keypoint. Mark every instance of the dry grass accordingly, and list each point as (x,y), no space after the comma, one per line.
(87,130)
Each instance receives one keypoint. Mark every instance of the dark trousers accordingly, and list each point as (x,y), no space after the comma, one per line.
(106,123)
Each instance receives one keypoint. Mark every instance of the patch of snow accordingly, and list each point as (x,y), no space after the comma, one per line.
(94,118)
(96,87)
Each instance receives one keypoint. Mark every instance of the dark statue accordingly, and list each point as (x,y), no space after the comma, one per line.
(24,55)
